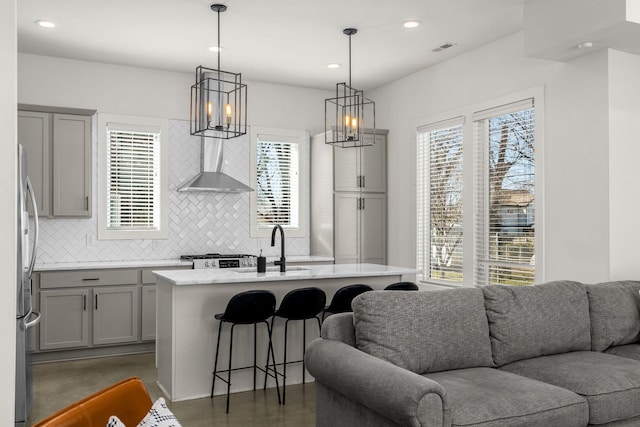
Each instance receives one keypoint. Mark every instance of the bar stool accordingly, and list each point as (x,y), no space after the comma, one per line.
(402,286)
(246,308)
(341,301)
(298,304)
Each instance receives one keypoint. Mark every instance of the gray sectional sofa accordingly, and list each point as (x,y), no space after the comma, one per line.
(559,354)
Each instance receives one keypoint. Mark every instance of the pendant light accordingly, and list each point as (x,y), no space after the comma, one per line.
(348,114)
(218,99)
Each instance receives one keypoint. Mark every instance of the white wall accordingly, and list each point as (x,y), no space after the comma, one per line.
(8,232)
(118,89)
(624,154)
(213,222)
(575,194)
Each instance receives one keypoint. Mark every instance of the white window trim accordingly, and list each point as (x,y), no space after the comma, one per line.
(303,202)
(143,122)
(469,161)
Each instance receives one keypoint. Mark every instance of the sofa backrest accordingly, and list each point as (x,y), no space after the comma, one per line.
(339,327)
(532,321)
(614,308)
(424,331)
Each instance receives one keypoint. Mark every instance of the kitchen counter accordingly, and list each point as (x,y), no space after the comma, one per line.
(101,265)
(187,330)
(273,274)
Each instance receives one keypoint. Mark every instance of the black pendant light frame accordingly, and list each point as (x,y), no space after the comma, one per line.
(349,112)
(218,99)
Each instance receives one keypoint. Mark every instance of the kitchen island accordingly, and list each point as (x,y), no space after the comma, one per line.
(186,331)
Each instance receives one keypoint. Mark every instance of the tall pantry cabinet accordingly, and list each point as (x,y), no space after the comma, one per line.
(348,200)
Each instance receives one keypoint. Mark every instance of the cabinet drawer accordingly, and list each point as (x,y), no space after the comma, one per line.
(68,279)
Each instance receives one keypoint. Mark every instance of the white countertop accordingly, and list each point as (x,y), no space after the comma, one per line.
(99,265)
(297,272)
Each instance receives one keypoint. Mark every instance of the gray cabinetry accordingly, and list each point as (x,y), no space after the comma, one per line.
(34,133)
(361,169)
(71,165)
(115,314)
(348,201)
(360,221)
(59,160)
(148,327)
(67,318)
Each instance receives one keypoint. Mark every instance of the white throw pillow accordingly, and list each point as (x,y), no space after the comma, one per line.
(159,416)
(115,422)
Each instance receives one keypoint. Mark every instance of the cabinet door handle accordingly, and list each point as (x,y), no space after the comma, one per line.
(363,203)
(88,279)
(86,202)
(363,181)
(96,302)
(358,203)
(84,303)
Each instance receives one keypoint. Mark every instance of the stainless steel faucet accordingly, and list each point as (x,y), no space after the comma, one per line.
(281,263)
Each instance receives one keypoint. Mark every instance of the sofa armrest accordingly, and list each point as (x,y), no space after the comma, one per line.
(400,395)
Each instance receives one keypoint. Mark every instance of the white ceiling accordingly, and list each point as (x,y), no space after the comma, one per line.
(279,41)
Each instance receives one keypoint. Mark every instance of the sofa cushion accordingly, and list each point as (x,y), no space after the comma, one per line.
(531,321)
(424,331)
(614,308)
(489,397)
(630,351)
(610,384)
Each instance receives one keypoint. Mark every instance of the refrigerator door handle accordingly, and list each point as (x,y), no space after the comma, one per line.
(34,250)
(33,322)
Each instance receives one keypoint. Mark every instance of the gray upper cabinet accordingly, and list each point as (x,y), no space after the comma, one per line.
(71,165)
(34,133)
(361,169)
(59,161)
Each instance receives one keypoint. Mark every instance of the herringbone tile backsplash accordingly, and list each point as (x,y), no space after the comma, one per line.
(198,222)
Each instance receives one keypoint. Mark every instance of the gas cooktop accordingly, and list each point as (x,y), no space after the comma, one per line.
(221,260)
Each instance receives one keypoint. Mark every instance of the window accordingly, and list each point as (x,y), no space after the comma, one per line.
(476,194)
(505,188)
(132,168)
(278,179)
(440,201)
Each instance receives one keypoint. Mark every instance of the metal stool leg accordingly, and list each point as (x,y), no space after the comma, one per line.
(255,334)
(273,358)
(304,346)
(215,364)
(266,368)
(229,373)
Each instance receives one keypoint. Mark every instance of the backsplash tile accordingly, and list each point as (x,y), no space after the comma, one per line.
(198,222)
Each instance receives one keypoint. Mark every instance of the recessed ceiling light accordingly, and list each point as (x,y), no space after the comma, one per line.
(585,45)
(333,65)
(412,23)
(45,24)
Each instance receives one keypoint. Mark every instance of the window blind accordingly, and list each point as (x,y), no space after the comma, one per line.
(439,201)
(133,166)
(504,227)
(277,181)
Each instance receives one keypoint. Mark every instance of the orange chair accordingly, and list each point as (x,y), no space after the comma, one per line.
(128,400)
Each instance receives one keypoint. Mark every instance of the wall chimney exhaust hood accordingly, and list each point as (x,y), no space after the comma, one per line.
(211,178)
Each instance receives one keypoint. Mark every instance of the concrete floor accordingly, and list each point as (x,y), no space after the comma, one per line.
(59,384)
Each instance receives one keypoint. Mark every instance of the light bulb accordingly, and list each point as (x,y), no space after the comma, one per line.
(354,123)
(227,111)
(209,109)
(347,120)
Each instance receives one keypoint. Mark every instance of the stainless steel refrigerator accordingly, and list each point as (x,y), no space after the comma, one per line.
(26,317)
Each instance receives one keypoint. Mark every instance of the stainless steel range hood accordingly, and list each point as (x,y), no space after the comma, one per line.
(211,178)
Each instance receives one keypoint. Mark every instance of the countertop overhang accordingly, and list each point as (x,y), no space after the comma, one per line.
(298,272)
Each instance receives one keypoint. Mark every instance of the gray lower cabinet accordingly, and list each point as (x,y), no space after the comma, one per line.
(115,314)
(65,315)
(148,328)
(360,228)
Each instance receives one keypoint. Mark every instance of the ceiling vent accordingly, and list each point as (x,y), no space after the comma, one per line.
(444,46)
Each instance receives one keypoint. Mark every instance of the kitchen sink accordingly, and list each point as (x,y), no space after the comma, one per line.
(273,269)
